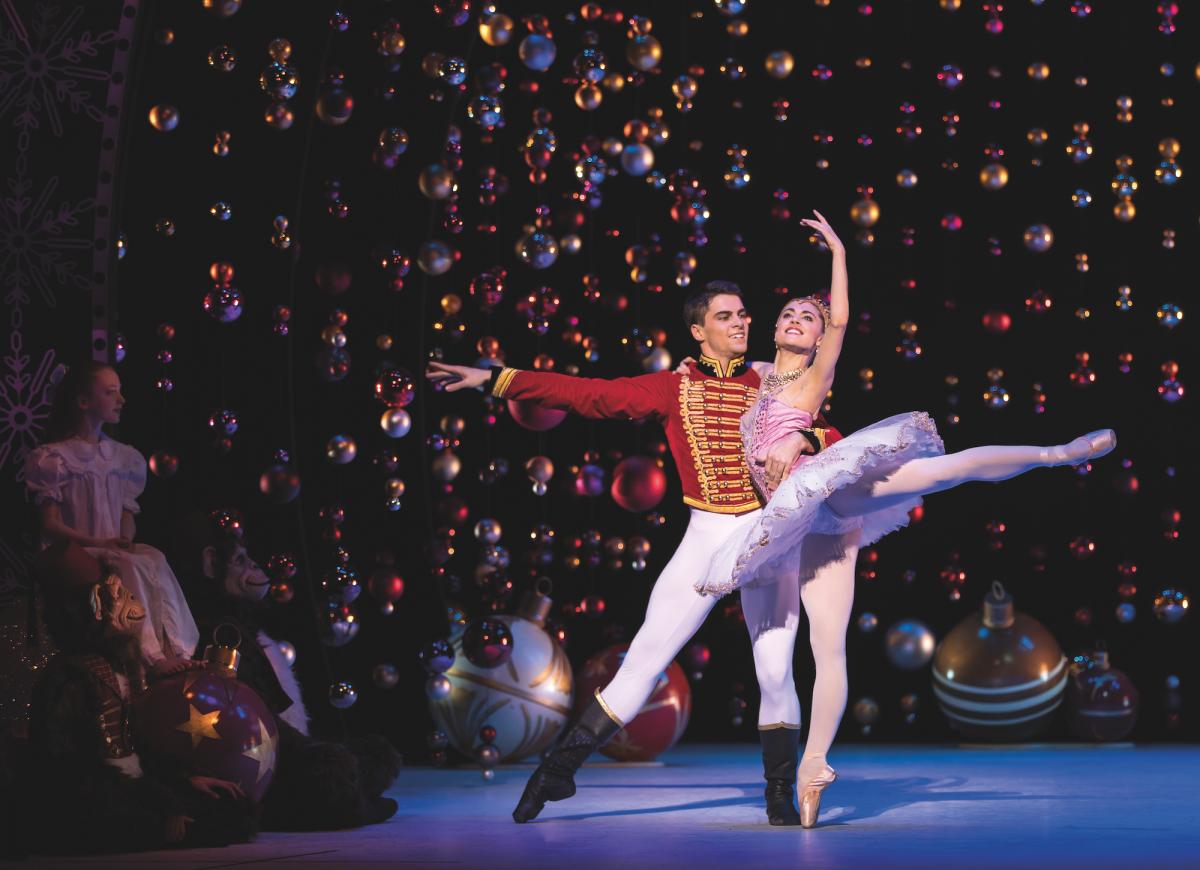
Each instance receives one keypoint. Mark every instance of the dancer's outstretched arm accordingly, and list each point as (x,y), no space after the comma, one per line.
(815,386)
(632,398)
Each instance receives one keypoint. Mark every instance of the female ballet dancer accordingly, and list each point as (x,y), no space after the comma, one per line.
(86,487)
(822,509)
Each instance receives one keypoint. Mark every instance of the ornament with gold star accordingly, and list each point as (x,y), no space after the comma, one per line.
(211,722)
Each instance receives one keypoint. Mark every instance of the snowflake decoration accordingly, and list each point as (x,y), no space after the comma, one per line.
(24,403)
(32,244)
(43,68)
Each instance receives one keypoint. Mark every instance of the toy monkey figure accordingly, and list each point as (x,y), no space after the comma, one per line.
(318,784)
(88,788)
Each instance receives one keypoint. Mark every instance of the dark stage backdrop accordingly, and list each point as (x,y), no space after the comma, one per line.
(311,204)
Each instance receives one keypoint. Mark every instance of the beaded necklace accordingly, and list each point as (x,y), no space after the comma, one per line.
(773,383)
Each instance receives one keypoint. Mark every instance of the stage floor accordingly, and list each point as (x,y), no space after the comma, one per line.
(893,807)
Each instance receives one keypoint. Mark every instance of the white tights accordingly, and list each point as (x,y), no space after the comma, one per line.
(674,614)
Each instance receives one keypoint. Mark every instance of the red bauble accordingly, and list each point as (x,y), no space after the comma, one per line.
(386,585)
(638,483)
(661,721)
(533,416)
(997,321)
(1103,701)
(214,724)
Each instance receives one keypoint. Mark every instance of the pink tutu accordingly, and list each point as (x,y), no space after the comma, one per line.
(770,549)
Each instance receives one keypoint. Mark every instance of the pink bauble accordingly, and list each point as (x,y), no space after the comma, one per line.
(638,483)
(533,416)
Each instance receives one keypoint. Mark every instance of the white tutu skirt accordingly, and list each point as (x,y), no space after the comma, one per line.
(771,548)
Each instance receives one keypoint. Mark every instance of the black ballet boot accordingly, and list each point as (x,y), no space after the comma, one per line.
(554,779)
(781,751)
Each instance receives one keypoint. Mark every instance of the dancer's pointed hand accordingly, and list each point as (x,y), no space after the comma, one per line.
(452,378)
(827,234)
(684,365)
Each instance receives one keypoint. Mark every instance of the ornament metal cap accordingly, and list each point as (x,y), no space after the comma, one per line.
(536,603)
(998,608)
(224,656)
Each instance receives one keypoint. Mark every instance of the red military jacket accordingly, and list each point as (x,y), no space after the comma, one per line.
(700,411)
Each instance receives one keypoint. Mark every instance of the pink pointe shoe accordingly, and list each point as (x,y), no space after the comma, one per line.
(1085,448)
(810,795)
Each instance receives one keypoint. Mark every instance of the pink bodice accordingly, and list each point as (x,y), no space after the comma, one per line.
(767,421)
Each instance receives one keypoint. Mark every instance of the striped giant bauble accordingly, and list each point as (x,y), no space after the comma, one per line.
(999,675)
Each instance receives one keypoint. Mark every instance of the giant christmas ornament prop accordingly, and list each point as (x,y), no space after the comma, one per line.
(1103,701)
(211,722)
(661,721)
(999,675)
(527,698)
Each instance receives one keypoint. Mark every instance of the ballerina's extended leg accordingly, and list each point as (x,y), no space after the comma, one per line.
(988,464)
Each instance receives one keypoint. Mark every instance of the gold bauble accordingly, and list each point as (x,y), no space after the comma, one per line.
(643,52)
(431,64)
(164,118)
(1124,210)
(865,212)
(496,29)
(1169,148)
(588,97)
(780,64)
(1038,71)
(279,49)
(436,181)
(446,466)
(392,43)
(993,176)
(684,87)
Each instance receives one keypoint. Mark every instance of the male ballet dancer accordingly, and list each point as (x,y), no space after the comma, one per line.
(700,411)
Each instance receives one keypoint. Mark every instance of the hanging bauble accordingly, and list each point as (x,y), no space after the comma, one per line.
(533,415)
(211,723)
(335,106)
(865,212)
(643,52)
(661,721)
(527,699)
(537,52)
(487,643)
(999,675)
(1103,701)
(638,483)
(909,644)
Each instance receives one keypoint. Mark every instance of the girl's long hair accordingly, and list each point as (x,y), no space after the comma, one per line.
(65,412)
